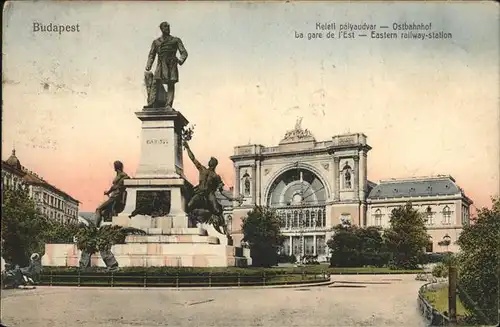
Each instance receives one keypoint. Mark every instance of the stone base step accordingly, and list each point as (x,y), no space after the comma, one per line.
(179,261)
(175,231)
(172,239)
(154,254)
(159,225)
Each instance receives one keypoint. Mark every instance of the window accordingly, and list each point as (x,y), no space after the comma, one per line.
(429,247)
(282,220)
(378,217)
(296,241)
(286,246)
(320,245)
(295,219)
(319,218)
(429,215)
(446,215)
(309,245)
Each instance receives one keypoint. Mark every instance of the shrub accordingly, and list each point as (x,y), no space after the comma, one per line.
(285,258)
(440,270)
(92,239)
(434,257)
(353,246)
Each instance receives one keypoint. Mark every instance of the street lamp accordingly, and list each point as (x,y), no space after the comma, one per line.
(446,241)
(452,285)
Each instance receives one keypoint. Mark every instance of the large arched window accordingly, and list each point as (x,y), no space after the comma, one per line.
(296,187)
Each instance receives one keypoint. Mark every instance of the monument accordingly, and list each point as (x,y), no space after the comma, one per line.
(183,224)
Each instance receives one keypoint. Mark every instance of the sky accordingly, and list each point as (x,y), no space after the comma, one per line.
(428,107)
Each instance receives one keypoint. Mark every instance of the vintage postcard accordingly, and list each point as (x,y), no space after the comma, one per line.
(250,163)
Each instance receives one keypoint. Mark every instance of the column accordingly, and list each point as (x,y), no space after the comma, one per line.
(356,177)
(362,175)
(237,180)
(291,245)
(315,245)
(303,243)
(258,180)
(254,184)
(336,178)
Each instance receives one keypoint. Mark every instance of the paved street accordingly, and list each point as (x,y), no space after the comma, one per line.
(380,301)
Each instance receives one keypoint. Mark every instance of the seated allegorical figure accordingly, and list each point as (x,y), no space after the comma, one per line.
(117,196)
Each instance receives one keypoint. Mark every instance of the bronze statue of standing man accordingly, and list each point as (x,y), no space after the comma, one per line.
(165,47)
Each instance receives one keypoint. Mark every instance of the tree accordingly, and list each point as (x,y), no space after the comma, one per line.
(57,232)
(23,226)
(353,246)
(407,237)
(261,230)
(372,248)
(479,265)
(344,246)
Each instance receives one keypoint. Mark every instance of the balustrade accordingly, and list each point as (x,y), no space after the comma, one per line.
(302,218)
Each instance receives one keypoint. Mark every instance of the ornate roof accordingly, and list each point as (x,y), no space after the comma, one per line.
(415,187)
(30,177)
(297,134)
(14,161)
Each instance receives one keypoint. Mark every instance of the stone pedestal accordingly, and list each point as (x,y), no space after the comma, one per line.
(159,186)
(161,144)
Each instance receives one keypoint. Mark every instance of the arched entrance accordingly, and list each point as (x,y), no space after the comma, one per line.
(299,197)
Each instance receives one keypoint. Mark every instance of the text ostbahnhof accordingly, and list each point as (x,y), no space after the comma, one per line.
(55,28)
(370,27)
